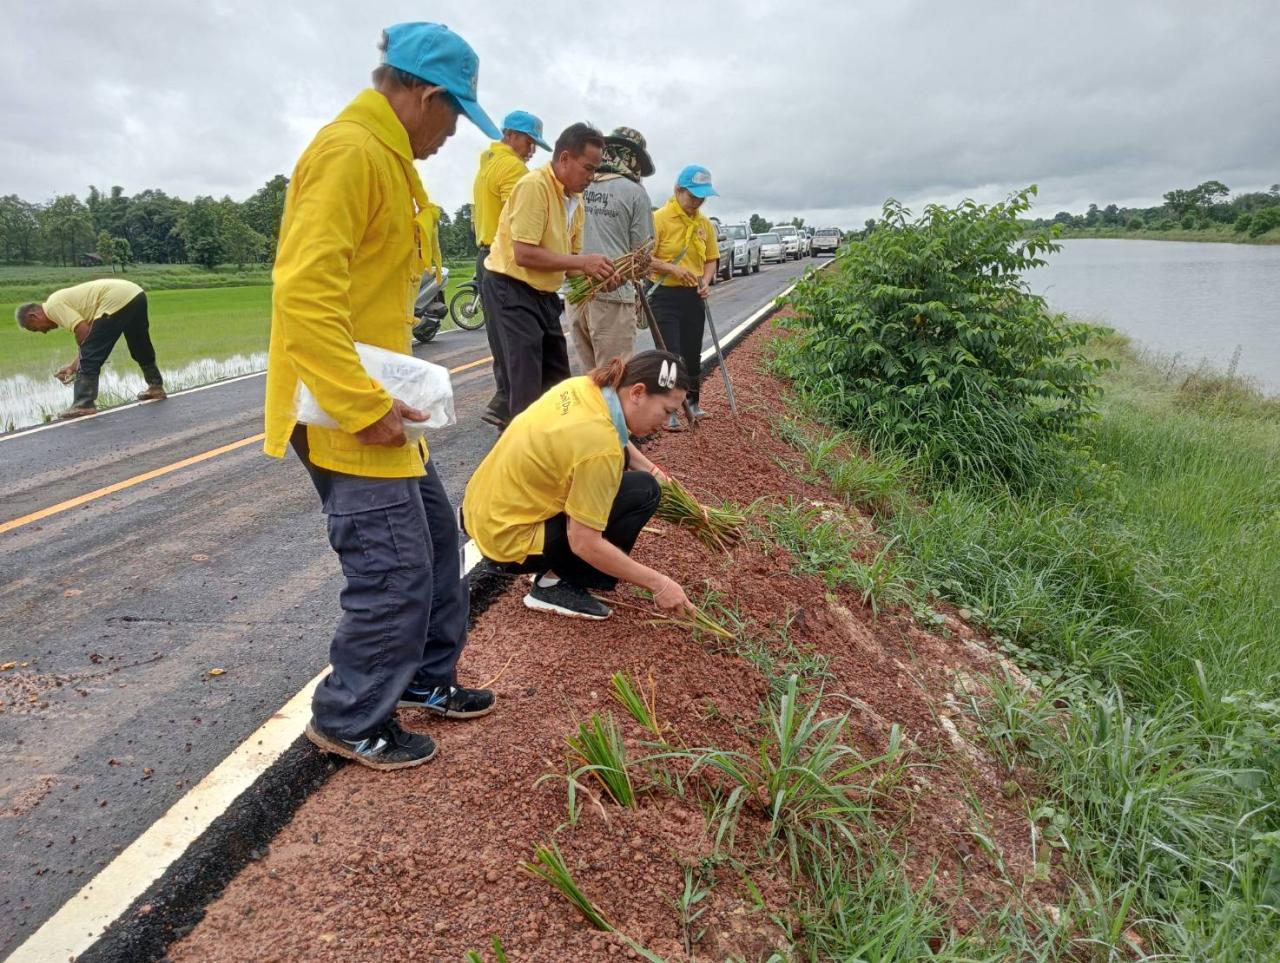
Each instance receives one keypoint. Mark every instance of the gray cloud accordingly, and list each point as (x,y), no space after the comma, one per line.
(822,110)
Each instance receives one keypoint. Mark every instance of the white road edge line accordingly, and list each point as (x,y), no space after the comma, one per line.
(104,899)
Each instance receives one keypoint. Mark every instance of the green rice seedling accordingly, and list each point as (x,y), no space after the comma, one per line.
(641,705)
(718,528)
(698,621)
(548,865)
(599,744)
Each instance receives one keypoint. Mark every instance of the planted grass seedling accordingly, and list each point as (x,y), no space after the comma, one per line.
(640,704)
(599,745)
(696,621)
(548,864)
(718,528)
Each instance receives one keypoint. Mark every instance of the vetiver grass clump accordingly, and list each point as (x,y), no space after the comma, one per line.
(1137,584)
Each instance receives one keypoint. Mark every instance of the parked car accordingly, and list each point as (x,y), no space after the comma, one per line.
(771,248)
(806,242)
(826,240)
(724,270)
(746,249)
(790,239)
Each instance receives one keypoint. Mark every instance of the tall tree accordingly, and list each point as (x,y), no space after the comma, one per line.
(66,229)
(19,229)
(265,208)
(759,225)
(241,242)
(200,232)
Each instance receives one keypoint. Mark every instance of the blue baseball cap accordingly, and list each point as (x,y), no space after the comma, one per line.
(434,53)
(523,122)
(697,181)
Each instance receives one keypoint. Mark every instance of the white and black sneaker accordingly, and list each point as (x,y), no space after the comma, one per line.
(564,599)
(450,701)
(389,747)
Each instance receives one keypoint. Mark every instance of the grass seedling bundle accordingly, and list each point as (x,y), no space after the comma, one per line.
(641,705)
(632,266)
(718,528)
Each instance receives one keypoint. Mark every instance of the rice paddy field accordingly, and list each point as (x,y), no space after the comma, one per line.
(206,326)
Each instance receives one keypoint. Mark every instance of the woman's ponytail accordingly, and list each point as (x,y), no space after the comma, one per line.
(658,371)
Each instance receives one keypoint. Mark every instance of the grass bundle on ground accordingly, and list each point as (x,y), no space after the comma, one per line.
(598,743)
(632,266)
(548,864)
(718,528)
(696,621)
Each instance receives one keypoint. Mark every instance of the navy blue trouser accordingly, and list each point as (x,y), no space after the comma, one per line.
(405,604)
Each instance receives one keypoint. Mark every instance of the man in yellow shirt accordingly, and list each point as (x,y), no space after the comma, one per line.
(97,313)
(502,164)
(539,239)
(357,232)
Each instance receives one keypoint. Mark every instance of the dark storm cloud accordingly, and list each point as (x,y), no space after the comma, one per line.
(822,110)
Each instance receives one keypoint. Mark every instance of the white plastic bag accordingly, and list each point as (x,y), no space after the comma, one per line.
(419,384)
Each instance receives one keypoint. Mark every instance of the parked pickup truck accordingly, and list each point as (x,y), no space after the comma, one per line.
(746,249)
(790,240)
(826,240)
(724,270)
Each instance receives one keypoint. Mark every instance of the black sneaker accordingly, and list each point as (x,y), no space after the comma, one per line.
(565,599)
(488,567)
(450,701)
(389,747)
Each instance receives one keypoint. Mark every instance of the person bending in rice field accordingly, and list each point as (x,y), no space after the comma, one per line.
(564,493)
(97,313)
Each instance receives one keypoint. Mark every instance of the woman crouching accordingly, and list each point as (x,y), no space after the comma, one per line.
(564,493)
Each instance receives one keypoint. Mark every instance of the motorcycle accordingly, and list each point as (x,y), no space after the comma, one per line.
(429,308)
(466,308)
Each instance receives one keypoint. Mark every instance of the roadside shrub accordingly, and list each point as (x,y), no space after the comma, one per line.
(1264,220)
(928,342)
(1243,222)
(1136,223)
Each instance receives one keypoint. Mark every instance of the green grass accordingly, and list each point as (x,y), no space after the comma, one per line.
(187,323)
(1219,234)
(1142,599)
(33,282)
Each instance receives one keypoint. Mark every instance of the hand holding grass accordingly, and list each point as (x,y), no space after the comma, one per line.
(670,597)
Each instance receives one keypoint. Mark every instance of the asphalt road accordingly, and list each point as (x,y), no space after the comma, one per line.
(114,611)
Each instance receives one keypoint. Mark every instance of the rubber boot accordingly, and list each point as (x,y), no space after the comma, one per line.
(83,401)
(155,384)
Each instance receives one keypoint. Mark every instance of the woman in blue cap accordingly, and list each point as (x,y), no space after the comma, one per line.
(685,239)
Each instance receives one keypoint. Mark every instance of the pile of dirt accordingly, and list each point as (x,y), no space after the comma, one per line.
(425,864)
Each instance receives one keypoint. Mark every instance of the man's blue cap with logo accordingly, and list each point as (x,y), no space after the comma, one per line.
(697,181)
(523,122)
(434,53)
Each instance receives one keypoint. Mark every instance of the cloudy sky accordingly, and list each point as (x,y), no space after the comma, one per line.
(821,109)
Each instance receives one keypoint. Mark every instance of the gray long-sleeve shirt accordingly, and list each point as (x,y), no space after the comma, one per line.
(619,219)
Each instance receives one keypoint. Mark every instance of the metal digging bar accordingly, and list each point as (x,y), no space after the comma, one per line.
(662,345)
(724,368)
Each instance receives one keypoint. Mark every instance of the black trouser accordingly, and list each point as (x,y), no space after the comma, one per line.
(130,321)
(533,345)
(682,319)
(405,604)
(633,506)
(498,403)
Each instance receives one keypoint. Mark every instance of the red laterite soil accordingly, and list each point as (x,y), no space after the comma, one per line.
(424,864)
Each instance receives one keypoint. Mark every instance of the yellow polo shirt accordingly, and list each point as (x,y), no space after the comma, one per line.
(561,454)
(357,233)
(89,301)
(537,212)
(500,169)
(676,231)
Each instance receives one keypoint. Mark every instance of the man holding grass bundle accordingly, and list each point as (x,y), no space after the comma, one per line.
(357,234)
(539,239)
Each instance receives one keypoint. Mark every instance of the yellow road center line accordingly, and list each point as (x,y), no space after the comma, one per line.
(158,472)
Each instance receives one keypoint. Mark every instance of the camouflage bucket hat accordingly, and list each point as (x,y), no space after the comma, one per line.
(629,140)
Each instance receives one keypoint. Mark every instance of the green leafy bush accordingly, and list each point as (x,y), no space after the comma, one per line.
(927,341)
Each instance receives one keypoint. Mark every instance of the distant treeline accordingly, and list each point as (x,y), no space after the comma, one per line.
(154,228)
(1207,207)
